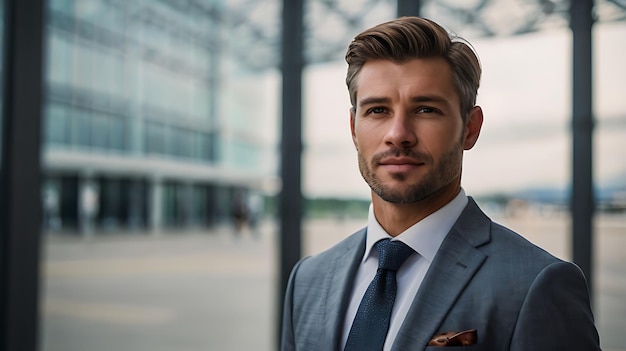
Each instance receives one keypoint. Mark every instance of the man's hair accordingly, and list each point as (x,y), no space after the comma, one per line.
(408,38)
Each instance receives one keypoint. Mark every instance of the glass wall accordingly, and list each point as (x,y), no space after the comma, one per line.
(118,68)
(134,94)
(151,134)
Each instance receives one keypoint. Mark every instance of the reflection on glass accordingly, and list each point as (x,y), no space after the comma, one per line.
(148,134)
(131,88)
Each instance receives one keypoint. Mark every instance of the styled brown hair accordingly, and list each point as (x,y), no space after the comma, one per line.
(407,38)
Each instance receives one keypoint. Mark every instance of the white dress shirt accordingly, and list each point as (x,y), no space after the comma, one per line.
(424,237)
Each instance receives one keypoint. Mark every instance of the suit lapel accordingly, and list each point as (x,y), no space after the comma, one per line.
(340,282)
(452,268)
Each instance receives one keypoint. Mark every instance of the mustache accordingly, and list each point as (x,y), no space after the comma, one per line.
(397,152)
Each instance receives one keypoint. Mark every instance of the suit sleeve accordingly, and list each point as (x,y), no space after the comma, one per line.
(287,339)
(556,314)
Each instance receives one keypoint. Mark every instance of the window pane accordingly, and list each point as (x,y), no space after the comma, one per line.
(57,124)
(132,140)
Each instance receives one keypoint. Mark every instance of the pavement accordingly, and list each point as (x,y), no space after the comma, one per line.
(217,290)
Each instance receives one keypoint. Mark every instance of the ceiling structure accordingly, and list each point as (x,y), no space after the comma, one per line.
(330,24)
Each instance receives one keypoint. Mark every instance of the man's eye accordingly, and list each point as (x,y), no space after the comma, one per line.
(426,110)
(376,110)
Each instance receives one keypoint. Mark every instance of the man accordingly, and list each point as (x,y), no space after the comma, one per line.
(455,277)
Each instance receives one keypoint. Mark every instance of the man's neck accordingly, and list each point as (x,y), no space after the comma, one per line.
(396,218)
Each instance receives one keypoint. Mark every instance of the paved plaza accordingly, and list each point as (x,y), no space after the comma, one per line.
(199,290)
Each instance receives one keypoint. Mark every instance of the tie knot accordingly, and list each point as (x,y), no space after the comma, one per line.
(392,254)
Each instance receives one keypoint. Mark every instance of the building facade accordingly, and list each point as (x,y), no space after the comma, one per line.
(138,131)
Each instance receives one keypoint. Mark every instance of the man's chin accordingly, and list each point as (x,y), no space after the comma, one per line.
(401,180)
(398,199)
(401,195)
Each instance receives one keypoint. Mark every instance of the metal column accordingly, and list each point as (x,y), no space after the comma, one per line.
(408,8)
(292,63)
(20,194)
(582,196)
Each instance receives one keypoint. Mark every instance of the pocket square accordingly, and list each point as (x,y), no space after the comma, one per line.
(454,338)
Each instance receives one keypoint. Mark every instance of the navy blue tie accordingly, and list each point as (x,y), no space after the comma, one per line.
(370,325)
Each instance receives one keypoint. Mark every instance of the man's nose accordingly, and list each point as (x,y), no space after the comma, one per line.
(400,132)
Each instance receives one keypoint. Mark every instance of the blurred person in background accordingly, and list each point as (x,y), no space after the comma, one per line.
(239,212)
(255,206)
(430,268)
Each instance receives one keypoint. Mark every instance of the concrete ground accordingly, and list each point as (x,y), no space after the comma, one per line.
(192,291)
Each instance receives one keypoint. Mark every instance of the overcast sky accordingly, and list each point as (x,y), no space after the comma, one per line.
(525,94)
(526,97)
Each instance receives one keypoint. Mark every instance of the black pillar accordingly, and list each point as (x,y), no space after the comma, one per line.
(290,207)
(408,8)
(582,197)
(20,195)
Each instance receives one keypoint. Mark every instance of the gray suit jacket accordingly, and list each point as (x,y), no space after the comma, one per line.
(483,277)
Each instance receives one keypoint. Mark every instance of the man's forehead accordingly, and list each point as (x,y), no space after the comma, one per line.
(429,78)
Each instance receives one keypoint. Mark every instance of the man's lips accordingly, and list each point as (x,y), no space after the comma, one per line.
(399,161)
(400,164)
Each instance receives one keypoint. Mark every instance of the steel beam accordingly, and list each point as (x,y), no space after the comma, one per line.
(582,195)
(20,195)
(408,8)
(291,201)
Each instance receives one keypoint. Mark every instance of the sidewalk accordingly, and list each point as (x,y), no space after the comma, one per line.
(192,291)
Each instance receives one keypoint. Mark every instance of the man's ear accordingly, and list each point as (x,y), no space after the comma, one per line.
(352,121)
(472,127)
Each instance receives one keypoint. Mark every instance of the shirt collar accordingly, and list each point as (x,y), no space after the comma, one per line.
(425,236)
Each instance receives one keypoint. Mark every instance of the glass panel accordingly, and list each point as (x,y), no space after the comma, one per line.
(82,119)
(57,124)
(153,124)
(136,192)
(155,138)
(133,192)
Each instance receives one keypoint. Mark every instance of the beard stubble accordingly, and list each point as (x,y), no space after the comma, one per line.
(442,173)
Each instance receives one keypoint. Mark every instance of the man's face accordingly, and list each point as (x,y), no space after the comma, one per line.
(408,129)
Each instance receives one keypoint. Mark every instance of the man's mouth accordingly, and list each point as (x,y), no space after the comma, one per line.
(400,164)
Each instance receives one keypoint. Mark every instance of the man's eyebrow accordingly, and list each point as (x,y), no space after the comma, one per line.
(373,100)
(419,98)
(430,98)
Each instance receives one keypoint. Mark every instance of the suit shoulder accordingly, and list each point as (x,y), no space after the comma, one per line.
(507,243)
(323,259)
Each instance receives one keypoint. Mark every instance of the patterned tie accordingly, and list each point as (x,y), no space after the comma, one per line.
(370,325)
